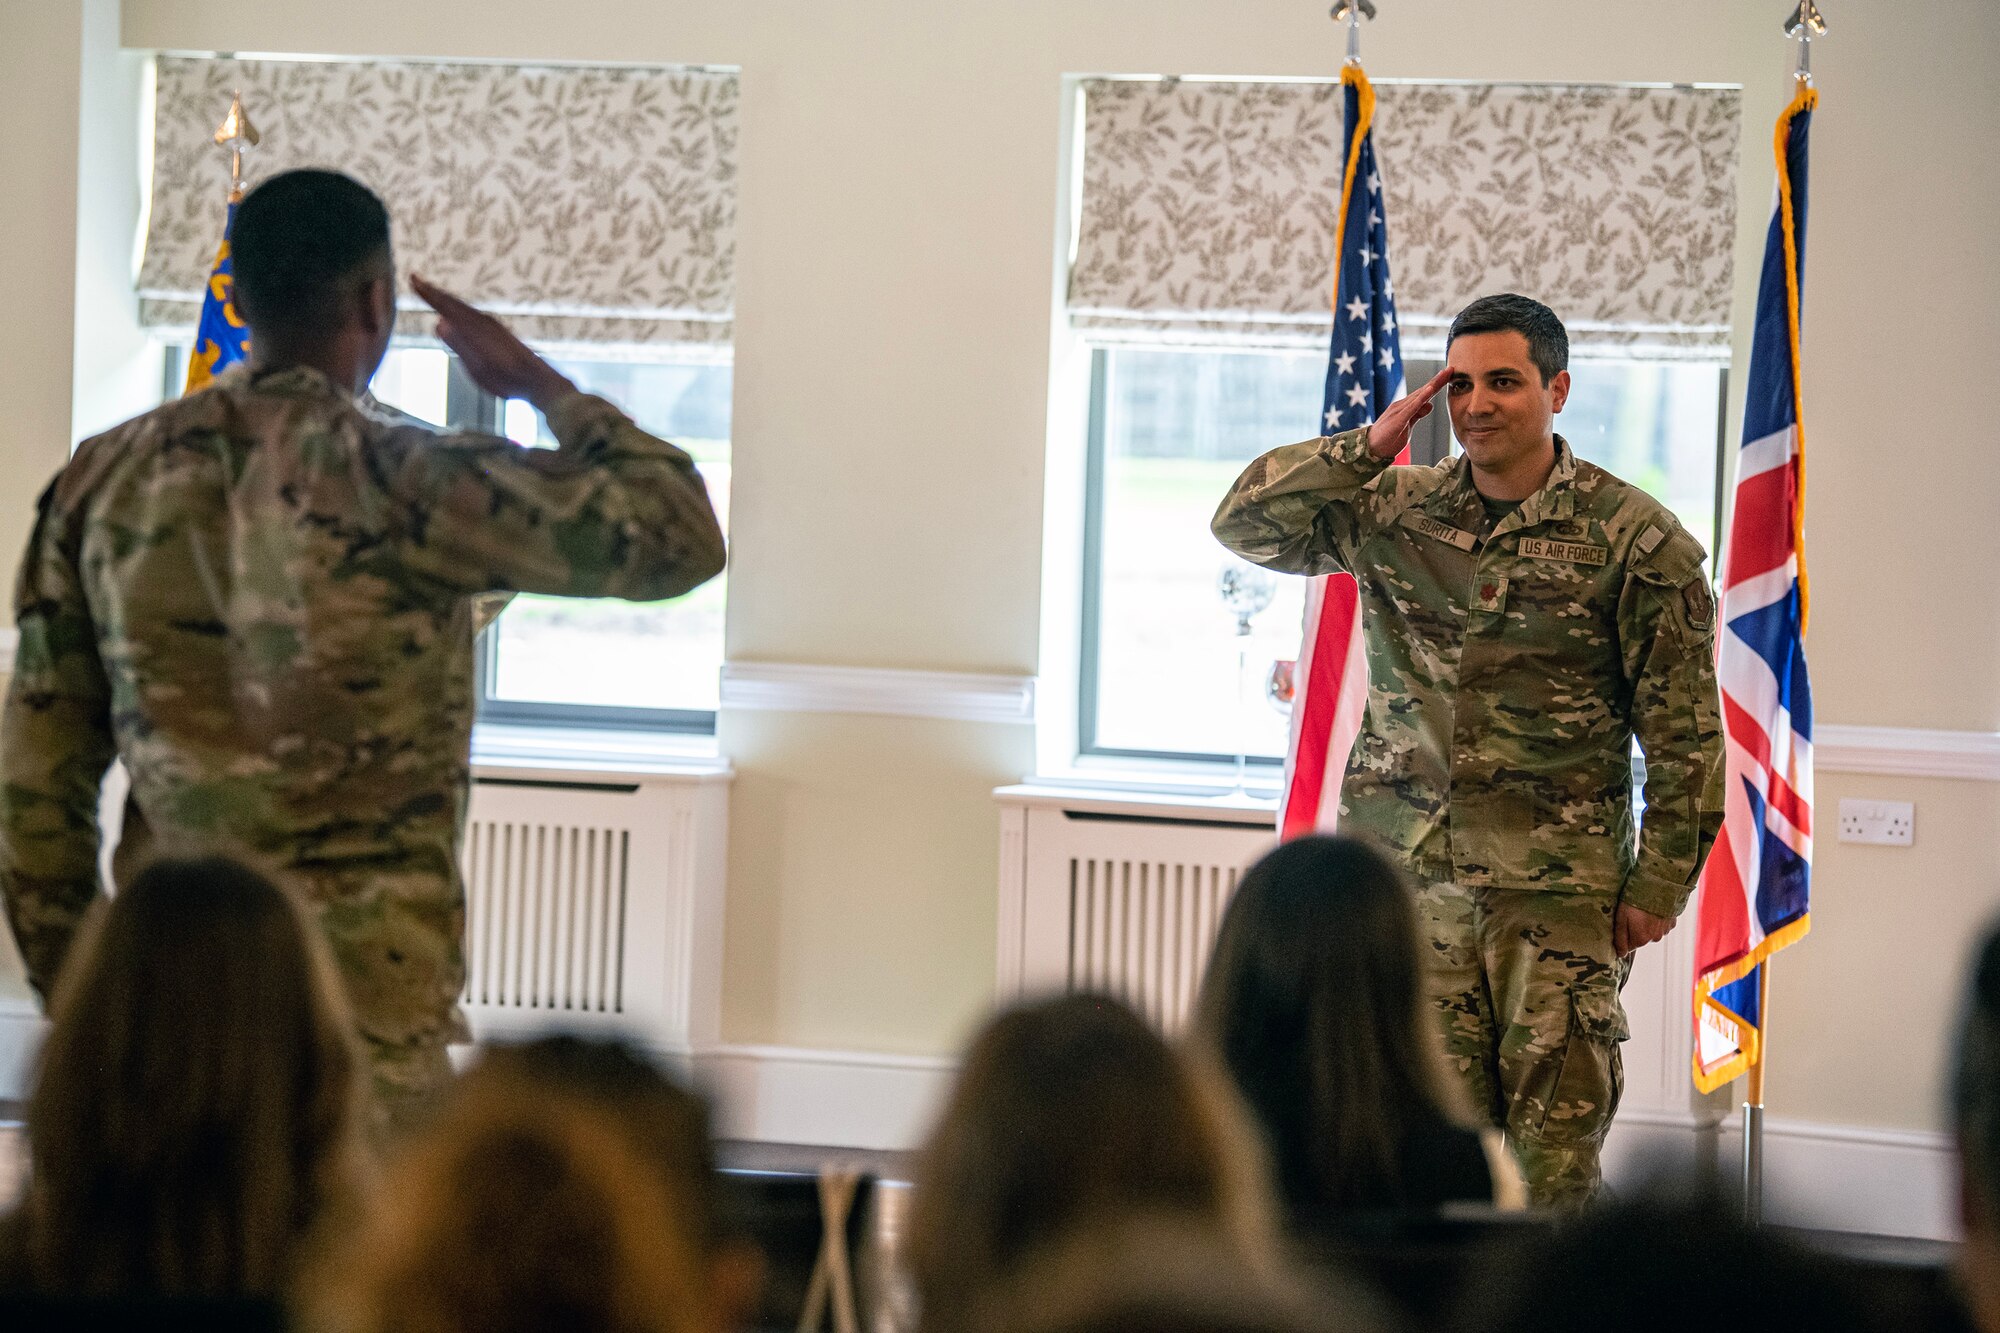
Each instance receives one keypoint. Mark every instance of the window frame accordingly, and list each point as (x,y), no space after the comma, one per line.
(470,408)
(1431,442)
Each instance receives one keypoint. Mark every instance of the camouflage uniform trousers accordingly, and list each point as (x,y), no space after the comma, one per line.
(397,940)
(1524,985)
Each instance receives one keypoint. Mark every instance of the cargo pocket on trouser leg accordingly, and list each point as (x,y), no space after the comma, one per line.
(1563,1107)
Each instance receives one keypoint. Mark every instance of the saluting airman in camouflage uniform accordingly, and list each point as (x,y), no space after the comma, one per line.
(261,599)
(1515,650)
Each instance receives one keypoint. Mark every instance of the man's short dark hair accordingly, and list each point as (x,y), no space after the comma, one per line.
(1976,1081)
(1548,340)
(298,239)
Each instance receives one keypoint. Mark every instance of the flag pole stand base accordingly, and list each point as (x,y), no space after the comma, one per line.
(1753,1164)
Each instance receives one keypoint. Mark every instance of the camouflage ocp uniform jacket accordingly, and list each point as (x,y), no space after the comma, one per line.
(1509,674)
(260,597)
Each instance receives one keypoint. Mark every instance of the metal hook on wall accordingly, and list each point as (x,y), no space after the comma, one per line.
(1351,13)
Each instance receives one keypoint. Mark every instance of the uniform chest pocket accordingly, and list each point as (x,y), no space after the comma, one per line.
(1561,604)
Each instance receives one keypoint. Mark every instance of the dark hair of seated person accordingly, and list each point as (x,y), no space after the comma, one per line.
(1975,1116)
(671,1126)
(1669,1260)
(1068,1113)
(566,1183)
(1314,1004)
(196,1108)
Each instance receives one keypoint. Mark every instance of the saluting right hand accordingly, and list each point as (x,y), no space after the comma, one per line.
(1390,434)
(498,362)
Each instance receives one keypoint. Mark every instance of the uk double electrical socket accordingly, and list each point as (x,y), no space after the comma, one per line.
(1889,823)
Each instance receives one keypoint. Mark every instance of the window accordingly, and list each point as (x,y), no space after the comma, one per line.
(1164,672)
(1199,262)
(613,661)
(1170,430)
(575,660)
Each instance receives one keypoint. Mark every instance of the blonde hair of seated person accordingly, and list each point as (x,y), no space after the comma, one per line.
(197,1105)
(521,1208)
(1068,1114)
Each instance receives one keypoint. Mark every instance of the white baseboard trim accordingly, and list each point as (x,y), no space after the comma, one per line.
(1852,1178)
(1908,752)
(1881,1182)
(836,1099)
(765,1094)
(950,695)
(1885,1182)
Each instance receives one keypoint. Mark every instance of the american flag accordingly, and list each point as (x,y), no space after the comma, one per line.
(1364,374)
(1754,888)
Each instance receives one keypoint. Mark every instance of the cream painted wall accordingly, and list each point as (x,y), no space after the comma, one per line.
(861,881)
(1862,1009)
(41,62)
(118,367)
(900,172)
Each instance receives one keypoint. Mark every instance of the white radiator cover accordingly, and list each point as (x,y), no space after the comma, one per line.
(594,903)
(1122,895)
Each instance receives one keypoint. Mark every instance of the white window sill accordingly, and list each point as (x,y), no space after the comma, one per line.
(500,749)
(1186,785)
(1228,808)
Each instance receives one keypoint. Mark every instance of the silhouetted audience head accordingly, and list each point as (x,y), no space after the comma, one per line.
(671,1126)
(1168,1274)
(198,1098)
(1976,1121)
(1667,1263)
(1314,1003)
(563,1185)
(1067,1113)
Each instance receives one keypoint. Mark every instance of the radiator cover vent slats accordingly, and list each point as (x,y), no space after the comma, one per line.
(1123,904)
(545,911)
(595,905)
(1143,930)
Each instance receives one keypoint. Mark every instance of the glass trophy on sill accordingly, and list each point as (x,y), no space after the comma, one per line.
(1245,591)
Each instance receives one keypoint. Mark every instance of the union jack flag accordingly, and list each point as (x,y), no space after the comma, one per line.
(1364,374)
(1754,898)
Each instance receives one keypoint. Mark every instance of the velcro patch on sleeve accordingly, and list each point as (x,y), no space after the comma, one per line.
(1673,562)
(1698,605)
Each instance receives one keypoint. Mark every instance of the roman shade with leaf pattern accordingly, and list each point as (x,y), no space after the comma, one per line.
(1207,210)
(587,205)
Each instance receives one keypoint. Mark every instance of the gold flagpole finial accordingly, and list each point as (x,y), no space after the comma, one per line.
(236,133)
(1350,12)
(1805,24)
